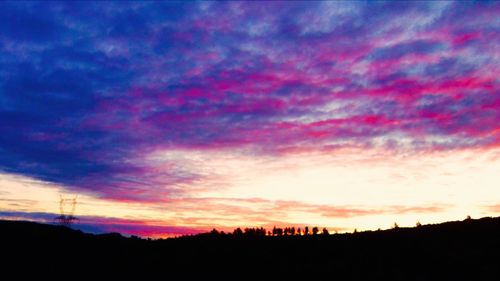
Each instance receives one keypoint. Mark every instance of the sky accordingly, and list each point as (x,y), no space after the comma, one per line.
(172,118)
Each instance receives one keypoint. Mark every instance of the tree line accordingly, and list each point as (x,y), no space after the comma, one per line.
(275,231)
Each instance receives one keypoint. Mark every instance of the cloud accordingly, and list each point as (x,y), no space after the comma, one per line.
(225,214)
(354,211)
(87,98)
(99,225)
(400,50)
(493,208)
(28,22)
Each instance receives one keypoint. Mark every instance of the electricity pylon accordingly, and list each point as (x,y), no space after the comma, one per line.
(67,208)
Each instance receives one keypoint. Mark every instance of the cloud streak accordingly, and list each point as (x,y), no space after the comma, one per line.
(87,99)
(225,213)
(100,225)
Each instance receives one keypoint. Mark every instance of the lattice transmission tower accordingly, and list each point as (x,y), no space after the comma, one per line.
(67,208)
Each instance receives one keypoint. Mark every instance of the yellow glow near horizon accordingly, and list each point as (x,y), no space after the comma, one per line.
(297,189)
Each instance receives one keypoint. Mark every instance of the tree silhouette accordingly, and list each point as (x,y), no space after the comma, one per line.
(315,230)
(279,231)
(254,232)
(276,231)
(262,231)
(238,232)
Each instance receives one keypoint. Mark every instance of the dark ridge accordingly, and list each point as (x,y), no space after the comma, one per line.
(460,250)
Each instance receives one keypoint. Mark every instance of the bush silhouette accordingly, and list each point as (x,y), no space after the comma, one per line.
(315,230)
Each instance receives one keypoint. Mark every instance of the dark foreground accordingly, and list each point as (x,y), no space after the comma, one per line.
(466,250)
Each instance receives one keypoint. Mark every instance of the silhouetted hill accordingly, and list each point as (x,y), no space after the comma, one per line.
(463,250)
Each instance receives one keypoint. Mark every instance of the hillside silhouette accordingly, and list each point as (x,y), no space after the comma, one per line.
(461,250)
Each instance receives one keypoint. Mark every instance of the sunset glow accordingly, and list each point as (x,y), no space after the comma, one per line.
(175,118)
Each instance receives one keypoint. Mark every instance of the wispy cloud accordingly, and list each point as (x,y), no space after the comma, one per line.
(225,213)
(98,225)
(89,91)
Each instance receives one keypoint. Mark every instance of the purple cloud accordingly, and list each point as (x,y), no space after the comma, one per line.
(87,92)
